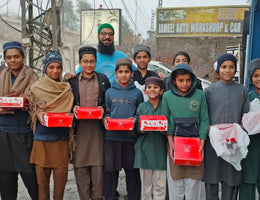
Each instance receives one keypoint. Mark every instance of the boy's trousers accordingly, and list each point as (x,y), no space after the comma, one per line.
(9,184)
(132,184)
(89,181)
(153,184)
(227,192)
(60,176)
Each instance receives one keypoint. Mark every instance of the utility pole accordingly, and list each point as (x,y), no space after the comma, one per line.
(160,3)
(40,29)
(55,24)
(151,31)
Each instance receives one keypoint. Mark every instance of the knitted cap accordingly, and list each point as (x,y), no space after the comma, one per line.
(88,50)
(105,25)
(253,65)
(51,56)
(141,47)
(154,80)
(12,45)
(224,58)
(124,61)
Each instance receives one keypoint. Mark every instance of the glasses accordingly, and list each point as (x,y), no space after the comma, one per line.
(92,62)
(105,33)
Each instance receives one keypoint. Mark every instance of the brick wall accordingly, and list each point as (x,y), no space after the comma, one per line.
(202,50)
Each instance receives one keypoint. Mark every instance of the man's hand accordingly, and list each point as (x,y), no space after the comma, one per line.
(134,119)
(68,76)
(171,146)
(75,111)
(40,116)
(105,122)
(5,111)
(202,148)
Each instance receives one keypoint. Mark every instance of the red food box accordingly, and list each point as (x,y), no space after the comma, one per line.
(187,151)
(153,123)
(58,120)
(120,124)
(89,113)
(12,102)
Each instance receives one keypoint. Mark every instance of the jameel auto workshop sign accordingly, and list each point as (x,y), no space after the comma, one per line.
(200,21)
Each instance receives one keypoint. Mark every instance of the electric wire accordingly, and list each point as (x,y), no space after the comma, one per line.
(9,24)
(113,13)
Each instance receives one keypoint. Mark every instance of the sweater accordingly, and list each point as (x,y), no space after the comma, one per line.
(43,133)
(193,104)
(227,102)
(251,164)
(121,103)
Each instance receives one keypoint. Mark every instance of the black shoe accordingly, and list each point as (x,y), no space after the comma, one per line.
(117,195)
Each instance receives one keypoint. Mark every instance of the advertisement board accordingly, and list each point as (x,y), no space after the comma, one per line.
(92,19)
(200,21)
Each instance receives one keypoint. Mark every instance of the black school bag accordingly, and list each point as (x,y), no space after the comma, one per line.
(185,127)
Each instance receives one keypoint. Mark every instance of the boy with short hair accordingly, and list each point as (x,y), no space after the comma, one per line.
(88,156)
(151,147)
(121,100)
(16,137)
(142,57)
(227,102)
(185,101)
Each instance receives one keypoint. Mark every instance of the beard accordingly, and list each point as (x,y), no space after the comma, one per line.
(104,49)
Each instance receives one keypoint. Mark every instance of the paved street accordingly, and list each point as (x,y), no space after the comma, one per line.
(71,188)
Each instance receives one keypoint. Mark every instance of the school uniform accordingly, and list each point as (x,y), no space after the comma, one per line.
(185,181)
(150,156)
(250,179)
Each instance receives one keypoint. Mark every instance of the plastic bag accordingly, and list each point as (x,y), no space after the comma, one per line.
(230,142)
(251,122)
(255,105)
(141,87)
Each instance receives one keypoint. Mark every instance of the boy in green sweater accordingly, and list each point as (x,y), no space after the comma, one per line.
(151,146)
(185,101)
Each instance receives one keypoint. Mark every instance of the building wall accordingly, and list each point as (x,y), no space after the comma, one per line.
(202,50)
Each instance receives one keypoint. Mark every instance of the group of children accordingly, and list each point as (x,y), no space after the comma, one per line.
(146,156)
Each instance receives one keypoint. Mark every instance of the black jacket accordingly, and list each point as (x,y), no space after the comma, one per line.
(103,84)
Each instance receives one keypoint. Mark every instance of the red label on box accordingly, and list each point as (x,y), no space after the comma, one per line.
(153,123)
(58,120)
(120,124)
(89,113)
(12,102)
(187,151)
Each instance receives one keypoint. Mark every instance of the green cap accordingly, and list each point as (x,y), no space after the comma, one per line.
(105,25)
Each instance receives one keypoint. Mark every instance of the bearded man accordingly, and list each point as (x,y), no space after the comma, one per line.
(106,55)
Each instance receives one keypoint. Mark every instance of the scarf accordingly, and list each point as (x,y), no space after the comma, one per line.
(22,84)
(48,95)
